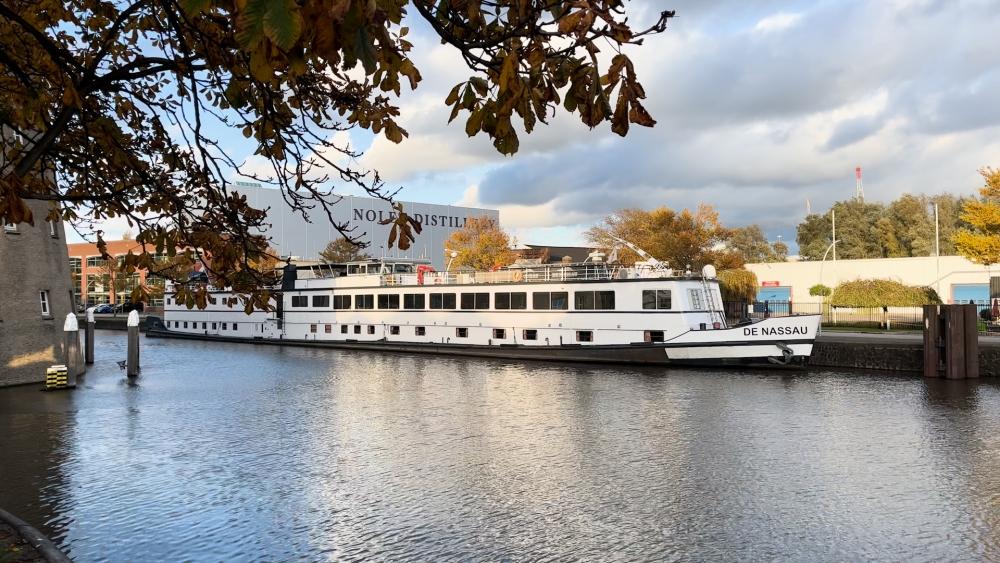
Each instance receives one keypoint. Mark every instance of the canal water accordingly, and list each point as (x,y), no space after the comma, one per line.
(236,452)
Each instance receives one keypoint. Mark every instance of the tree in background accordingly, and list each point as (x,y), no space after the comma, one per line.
(681,239)
(118,105)
(481,244)
(980,242)
(901,229)
(752,246)
(114,278)
(738,285)
(342,250)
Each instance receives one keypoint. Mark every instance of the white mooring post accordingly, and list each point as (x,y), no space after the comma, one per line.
(132,360)
(71,330)
(89,337)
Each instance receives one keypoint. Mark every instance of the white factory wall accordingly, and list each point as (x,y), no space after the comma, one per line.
(941,274)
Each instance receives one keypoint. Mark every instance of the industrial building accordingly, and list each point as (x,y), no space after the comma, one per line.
(291,235)
(955,278)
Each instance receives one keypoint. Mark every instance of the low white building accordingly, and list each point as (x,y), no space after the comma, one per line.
(955,278)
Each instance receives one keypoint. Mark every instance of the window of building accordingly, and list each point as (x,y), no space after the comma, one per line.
(419,330)
(558,300)
(321,300)
(529,334)
(462,332)
(589,300)
(475,300)
(500,333)
(44,297)
(584,336)
(75,265)
(357,329)
(300,301)
(312,328)
(204,326)
(364,301)
(235,326)
(53,231)
(443,301)
(327,329)
(510,301)
(343,329)
(215,326)
(388,301)
(656,299)
(185,324)
(393,330)
(413,301)
(94,261)
(371,329)
(653,336)
(225,326)
(341,301)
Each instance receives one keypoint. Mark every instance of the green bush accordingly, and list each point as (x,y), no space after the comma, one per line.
(882,293)
(820,290)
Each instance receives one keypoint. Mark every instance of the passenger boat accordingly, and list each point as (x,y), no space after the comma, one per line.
(589,312)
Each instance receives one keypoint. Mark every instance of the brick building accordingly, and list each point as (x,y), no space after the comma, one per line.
(93,279)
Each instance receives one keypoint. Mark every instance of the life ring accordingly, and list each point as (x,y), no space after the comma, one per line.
(517,276)
(437,281)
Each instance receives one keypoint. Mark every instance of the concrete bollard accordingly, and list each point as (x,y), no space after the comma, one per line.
(89,337)
(71,329)
(132,360)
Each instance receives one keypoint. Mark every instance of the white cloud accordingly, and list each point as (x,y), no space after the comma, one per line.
(777,22)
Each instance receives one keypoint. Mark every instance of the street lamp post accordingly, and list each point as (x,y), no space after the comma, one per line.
(821,264)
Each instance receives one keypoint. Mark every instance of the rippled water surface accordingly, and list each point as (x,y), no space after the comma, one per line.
(230,452)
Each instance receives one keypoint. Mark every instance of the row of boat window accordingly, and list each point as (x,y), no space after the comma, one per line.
(460,332)
(540,300)
(204,326)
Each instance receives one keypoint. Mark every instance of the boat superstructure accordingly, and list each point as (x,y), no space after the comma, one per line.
(591,311)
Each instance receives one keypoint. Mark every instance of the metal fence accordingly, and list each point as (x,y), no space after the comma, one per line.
(864,318)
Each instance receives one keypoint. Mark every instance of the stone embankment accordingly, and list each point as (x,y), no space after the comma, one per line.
(902,352)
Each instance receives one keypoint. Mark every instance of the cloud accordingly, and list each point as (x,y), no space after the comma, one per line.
(777,22)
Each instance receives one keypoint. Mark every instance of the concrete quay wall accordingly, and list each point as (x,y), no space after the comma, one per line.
(901,354)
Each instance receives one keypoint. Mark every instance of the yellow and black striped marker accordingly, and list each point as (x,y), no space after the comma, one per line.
(56,377)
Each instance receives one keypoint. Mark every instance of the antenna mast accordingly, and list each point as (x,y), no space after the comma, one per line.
(861,185)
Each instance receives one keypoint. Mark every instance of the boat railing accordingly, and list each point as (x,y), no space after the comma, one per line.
(544,273)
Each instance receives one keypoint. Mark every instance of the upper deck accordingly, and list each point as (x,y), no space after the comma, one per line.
(393,272)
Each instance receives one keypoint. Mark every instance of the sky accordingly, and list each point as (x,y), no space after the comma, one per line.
(761,105)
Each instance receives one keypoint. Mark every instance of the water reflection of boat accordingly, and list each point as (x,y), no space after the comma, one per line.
(591,311)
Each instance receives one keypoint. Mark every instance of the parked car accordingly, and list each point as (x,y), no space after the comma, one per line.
(106,308)
(128,307)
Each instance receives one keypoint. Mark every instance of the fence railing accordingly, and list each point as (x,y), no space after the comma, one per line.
(864,318)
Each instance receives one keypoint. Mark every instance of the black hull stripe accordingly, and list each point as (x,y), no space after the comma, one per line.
(652,354)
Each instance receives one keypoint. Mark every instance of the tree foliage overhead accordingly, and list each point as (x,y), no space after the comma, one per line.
(681,239)
(980,242)
(901,229)
(480,244)
(113,106)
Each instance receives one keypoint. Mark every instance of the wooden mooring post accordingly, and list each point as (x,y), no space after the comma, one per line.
(88,340)
(132,359)
(951,341)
